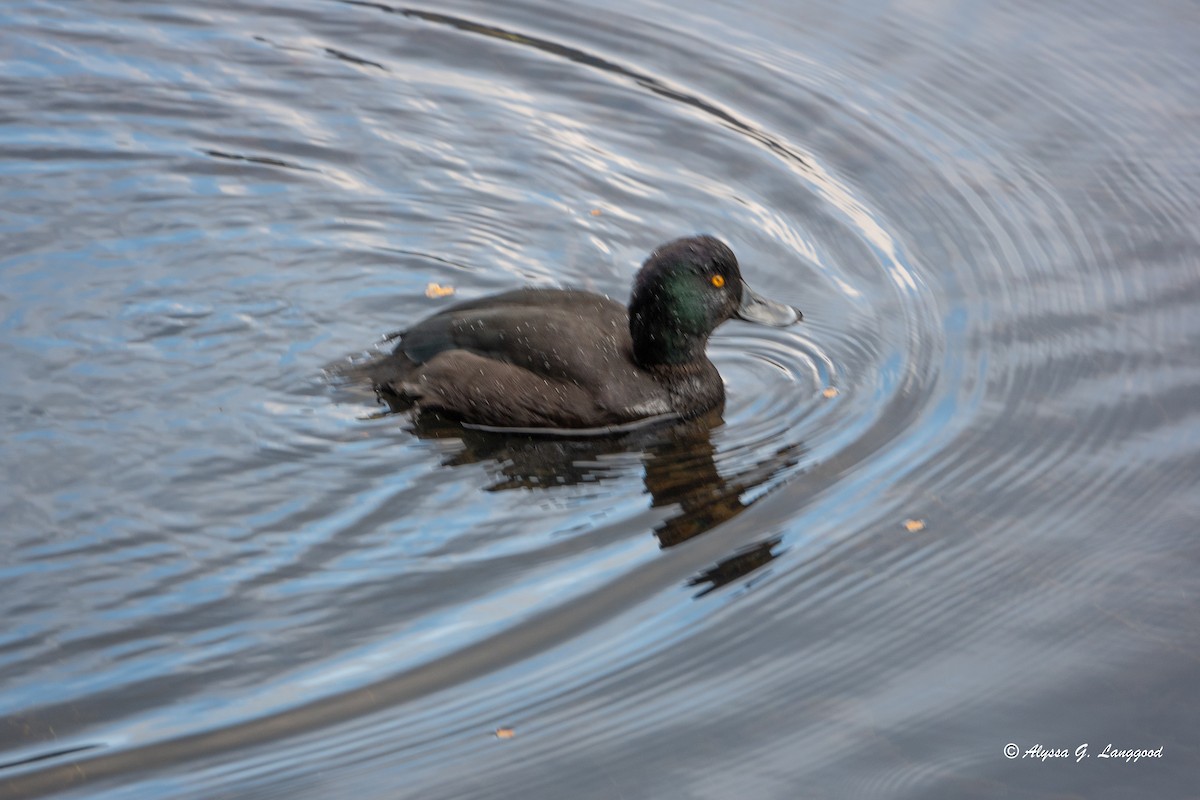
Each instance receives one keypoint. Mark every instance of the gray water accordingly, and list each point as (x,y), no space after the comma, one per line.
(224,573)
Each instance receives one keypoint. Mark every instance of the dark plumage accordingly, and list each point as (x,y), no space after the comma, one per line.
(550,358)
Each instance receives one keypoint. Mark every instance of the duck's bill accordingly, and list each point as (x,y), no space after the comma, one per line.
(756,308)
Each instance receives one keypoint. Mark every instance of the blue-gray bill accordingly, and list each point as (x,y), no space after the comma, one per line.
(756,308)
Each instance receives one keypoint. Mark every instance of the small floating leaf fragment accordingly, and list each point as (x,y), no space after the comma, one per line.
(914,525)
(596,212)
(435,290)
(830,392)
(505,733)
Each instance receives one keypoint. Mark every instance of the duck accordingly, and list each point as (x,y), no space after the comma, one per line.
(567,360)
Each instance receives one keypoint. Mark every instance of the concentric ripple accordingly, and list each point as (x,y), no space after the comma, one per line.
(948,511)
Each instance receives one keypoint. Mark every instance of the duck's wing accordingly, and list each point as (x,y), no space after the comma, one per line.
(562,335)
(531,358)
(485,391)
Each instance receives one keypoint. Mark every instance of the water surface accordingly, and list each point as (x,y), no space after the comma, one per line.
(225,575)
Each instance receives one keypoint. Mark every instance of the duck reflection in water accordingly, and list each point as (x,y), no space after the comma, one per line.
(680,474)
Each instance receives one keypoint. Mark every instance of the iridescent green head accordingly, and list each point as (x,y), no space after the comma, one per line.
(685,289)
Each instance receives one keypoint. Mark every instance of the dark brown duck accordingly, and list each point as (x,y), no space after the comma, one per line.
(567,359)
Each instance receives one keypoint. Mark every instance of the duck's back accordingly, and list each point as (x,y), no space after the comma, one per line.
(526,358)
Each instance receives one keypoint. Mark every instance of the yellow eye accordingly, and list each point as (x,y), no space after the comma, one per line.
(718,281)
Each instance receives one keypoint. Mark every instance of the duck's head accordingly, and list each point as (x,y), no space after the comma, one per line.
(687,288)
